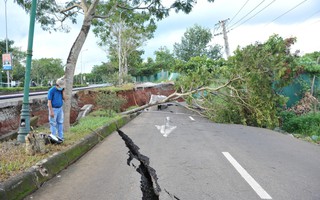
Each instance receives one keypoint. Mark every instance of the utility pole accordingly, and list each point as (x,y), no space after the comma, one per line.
(222,23)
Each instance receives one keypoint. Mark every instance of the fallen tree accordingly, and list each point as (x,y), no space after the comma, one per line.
(177,95)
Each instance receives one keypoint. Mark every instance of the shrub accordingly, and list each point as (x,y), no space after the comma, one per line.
(110,101)
(307,124)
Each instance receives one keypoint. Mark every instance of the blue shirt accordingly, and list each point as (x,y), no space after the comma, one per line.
(56,97)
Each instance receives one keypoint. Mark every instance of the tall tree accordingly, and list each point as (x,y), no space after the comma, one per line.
(51,16)
(164,59)
(46,70)
(195,42)
(123,34)
(104,71)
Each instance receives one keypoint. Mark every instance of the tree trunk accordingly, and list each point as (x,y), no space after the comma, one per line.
(312,84)
(72,61)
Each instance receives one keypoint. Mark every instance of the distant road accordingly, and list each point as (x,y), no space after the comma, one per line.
(14,96)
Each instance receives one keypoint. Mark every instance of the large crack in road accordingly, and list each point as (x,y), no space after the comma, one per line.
(149,185)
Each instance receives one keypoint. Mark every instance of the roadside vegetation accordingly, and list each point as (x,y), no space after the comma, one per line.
(261,73)
(13,156)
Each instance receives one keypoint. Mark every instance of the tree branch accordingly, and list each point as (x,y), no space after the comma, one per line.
(175,96)
(70,8)
(109,14)
(136,7)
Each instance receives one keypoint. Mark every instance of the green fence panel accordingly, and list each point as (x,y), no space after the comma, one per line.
(299,86)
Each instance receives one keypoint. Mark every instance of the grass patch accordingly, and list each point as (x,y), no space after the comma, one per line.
(305,127)
(14,160)
(125,87)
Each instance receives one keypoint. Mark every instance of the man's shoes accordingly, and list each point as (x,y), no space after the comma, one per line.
(54,139)
(60,139)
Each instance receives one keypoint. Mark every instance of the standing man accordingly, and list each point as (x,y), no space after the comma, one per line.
(55,101)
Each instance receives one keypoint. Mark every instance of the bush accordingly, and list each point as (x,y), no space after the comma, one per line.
(307,125)
(110,101)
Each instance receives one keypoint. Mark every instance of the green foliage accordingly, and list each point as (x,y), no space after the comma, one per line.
(309,65)
(307,125)
(285,117)
(110,101)
(146,69)
(262,68)
(87,124)
(101,72)
(3,47)
(114,79)
(195,42)
(252,98)
(164,59)
(315,56)
(194,64)
(46,69)
(6,90)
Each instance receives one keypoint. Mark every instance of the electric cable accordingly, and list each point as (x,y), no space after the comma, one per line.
(216,27)
(248,13)
(239,11)
(254,14)
(288,11)
(313,14)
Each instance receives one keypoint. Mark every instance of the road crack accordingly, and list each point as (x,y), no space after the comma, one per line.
(148,184)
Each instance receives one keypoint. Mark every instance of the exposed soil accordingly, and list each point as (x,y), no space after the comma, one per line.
(135,97)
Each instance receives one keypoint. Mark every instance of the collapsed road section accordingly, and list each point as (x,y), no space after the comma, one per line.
(149,185)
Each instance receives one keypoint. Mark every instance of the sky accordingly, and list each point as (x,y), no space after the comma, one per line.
(249,21)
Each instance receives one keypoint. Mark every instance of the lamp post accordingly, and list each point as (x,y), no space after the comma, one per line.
(7,47)
(81,81)
(24,127)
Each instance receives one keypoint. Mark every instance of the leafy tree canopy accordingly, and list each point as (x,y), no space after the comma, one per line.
(195,42)
(257,71)
(146,69)
(311,62)
(52,16)
(46,69)
(164,59)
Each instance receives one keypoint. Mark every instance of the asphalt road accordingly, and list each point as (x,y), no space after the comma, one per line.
(193,159)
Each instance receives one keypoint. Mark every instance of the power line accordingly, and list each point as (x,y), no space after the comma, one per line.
(248,13)
(216,27)
(313,14)
(287,11)
(255,14)
(239,11)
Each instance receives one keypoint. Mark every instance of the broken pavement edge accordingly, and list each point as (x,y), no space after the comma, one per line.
(30,180)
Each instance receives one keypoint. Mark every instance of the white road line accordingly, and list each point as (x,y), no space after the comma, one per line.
(255,186)
(191,118)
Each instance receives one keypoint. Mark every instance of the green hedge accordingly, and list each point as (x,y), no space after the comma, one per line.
(11,90)
(307,124)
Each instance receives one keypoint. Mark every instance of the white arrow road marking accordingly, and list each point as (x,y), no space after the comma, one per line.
(166,129)
(191,118)
(255,186)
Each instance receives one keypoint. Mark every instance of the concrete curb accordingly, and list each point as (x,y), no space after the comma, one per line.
(29,181)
